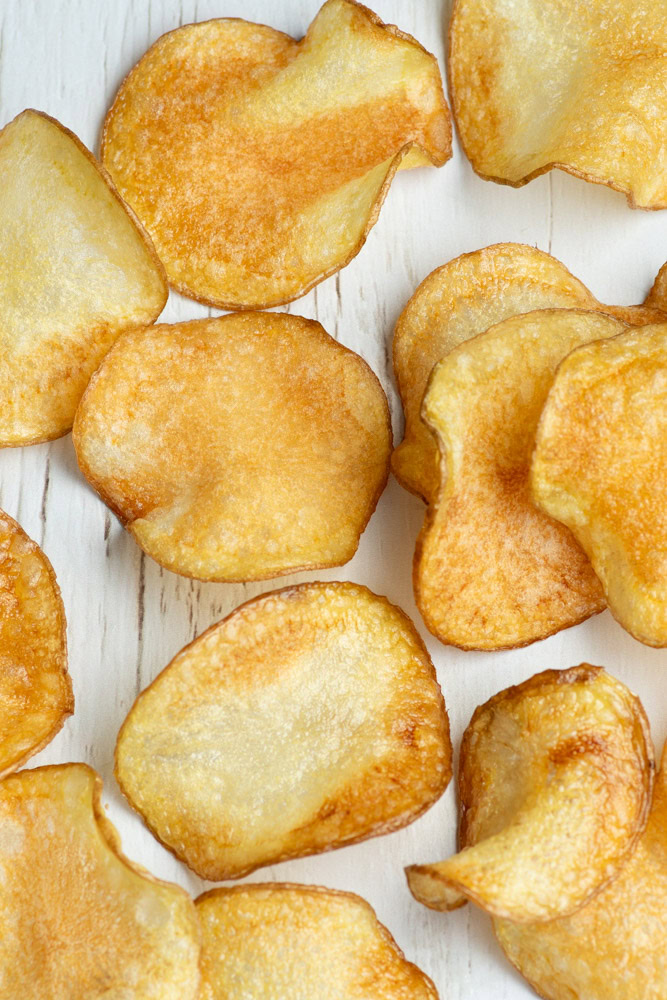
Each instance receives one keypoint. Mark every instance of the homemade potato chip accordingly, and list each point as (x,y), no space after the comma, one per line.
(237,448)
(35,688)
(555,780)
(580,86)
(293,941)
(77,919)
(76,270)
(257,163)
(308,719)
(600,467)
(463,298)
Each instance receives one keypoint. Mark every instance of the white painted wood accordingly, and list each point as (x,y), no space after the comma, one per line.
(127,617)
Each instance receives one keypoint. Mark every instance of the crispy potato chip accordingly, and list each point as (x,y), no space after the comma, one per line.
(77,919)
(555,781)
(580,86)
(76,270)
(259,164)
(35,688)
(600,467)
(463,298)
(613,948)
(294,941)
(237,448)
(308,719)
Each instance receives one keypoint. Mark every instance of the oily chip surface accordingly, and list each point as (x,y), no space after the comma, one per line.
(600,467)
(76,270)
(258,164)
(77,919)
(308,719)
(299,941)
(237,448)
(580,86)
(555,783)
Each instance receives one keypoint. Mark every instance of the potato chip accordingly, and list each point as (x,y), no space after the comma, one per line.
(600,467)
(294,941)
(76,271)
(555,781)
(580,86)
(259,164)
(35,688)
(77,919)
(237,448)
(308,719)
(463,298)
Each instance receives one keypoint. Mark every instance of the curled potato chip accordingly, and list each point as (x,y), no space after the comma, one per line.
(289,941)
(555,781)
(259,164)
(600,467)
(237,448)
(580,86)
(77,919)
(35,688)
(77,270)
(463,298)
(308,719)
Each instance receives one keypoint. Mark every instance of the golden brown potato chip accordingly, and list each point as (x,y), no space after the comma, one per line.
(308,719)
(463,298)
(563,83)
(35,688)
(77,270)
(237,448)
(77,919)
(292,941)
(491,570)
(259,164)
(555,781)
(600,467)
(613,948)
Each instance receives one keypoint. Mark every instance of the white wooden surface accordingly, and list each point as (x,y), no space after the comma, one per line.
(128,617)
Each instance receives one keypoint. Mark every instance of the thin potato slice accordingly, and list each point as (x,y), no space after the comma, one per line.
(35,687)
(76,270)
(298,941)
(237,448)
(600,467)
(576,85)
(259,164)
(555,781)
(77,919)
(308,719)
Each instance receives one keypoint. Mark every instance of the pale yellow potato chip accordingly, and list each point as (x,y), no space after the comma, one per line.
(77,919)
(555,782)
(300,941)
(76,270)
(600,467)
(257,163)
(577,85)
(237,448)
(308,719)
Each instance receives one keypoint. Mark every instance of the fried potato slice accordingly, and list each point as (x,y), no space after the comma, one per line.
(76,270)
(600,467)
(580,86)
(555,782)
(613,948)
(294,941)
(35,687)
(77,919)
(308,719)
(259,164)
(237,448)
(463,298)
